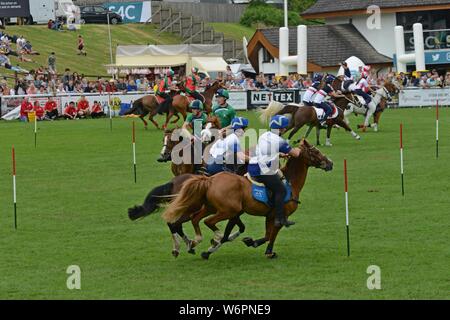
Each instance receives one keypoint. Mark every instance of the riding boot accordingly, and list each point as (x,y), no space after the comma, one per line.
(200,169)
(281,220)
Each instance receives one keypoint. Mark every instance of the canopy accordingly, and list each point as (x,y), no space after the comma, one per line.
(353,63)
(209,64)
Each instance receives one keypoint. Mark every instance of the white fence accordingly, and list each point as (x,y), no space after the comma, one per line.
(240,100)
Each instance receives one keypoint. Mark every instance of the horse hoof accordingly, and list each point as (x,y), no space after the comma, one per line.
(272,255)
(191,251)
(175,253)
(205,255)
(248,241)
(358,138)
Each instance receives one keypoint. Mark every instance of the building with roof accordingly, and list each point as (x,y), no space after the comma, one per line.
(434,15)
(349,30)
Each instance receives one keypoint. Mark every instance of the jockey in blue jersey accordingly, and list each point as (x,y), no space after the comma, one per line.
(312,90)
(319,98)
(348,78)
(263,167)
(226,154)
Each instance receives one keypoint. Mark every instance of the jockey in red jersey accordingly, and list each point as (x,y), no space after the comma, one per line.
(163,92)
(191,85)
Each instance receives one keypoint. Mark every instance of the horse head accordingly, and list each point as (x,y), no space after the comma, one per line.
(212,122)
(168,145)
(315,158)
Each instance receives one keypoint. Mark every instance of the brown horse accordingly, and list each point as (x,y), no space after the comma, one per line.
(227,196)
(212,122)
(305,115)
(180,103)
(148,105)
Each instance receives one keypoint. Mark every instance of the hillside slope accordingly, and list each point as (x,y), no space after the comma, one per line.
(96,40)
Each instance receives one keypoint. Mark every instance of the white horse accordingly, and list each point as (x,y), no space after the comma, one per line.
(368,110)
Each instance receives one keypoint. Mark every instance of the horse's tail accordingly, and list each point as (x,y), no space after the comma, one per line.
(152,201)
(136,108)
(192,194)
(272,109)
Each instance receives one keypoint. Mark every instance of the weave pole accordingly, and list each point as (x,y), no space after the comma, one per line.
(401,159)
(346,207)
(437,129)
(35,131)
(110,112)
(134,152)
(14,186)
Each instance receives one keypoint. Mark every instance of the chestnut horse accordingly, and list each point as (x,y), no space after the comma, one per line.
(180,103)
(304,115)
(212,122)
(227,196)
(149,105)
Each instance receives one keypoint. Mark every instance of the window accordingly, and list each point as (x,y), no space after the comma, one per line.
(267,57)
(99,9)
(87,9)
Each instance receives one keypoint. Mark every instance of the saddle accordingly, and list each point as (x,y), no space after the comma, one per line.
(261,194)
(321,113)
(159,99)
(191,98)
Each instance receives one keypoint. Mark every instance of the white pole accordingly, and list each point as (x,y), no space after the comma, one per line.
(286,24)
(302,50)
(419,47)
(400,48)
(110,41)
(283,68)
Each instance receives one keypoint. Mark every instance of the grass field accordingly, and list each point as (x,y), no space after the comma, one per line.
(75,188)
(64,44)
(233,30)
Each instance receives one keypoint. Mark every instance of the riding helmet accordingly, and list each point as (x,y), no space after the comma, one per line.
(330,78)
(223,93)
(317,77)
(239,123)
(279,122)
(194,70)
(197,105)
(170,73)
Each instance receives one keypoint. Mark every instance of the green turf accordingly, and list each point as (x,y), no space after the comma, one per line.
(75,188)
(233,30)
(64,44)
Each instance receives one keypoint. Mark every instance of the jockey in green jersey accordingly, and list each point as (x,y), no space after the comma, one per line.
(222,109)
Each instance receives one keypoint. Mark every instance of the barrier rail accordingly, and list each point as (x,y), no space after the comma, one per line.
(239,99)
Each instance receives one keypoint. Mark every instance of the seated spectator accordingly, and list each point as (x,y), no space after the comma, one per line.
(447,79)
(122,86)
(70,112)
(248,84)
(25,108)
(83,107)
(51,110)
(97,110)
(39,111)
(131,86)
(69,87)
(111,86)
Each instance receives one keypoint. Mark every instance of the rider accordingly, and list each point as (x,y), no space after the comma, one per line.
(191,85)
(362,88)
(312,90)
(348,78)
(197,119)
(163,92)
(319,98)
(222,109)
(226,153)
(263,166)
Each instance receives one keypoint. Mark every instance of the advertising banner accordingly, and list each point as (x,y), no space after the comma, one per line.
(132,12)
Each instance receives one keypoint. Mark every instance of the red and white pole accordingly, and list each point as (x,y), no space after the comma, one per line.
(437,128)
(14,186)
(134,152)
(347,223)
(401,159)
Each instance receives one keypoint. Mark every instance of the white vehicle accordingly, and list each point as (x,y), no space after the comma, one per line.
(43,10)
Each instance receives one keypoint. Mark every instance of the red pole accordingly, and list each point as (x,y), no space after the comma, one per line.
(134,152)
(346,207)
(437,129)
(14,186)
(401,158)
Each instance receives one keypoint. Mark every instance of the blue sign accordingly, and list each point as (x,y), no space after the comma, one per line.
(437,57)
(136,12)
